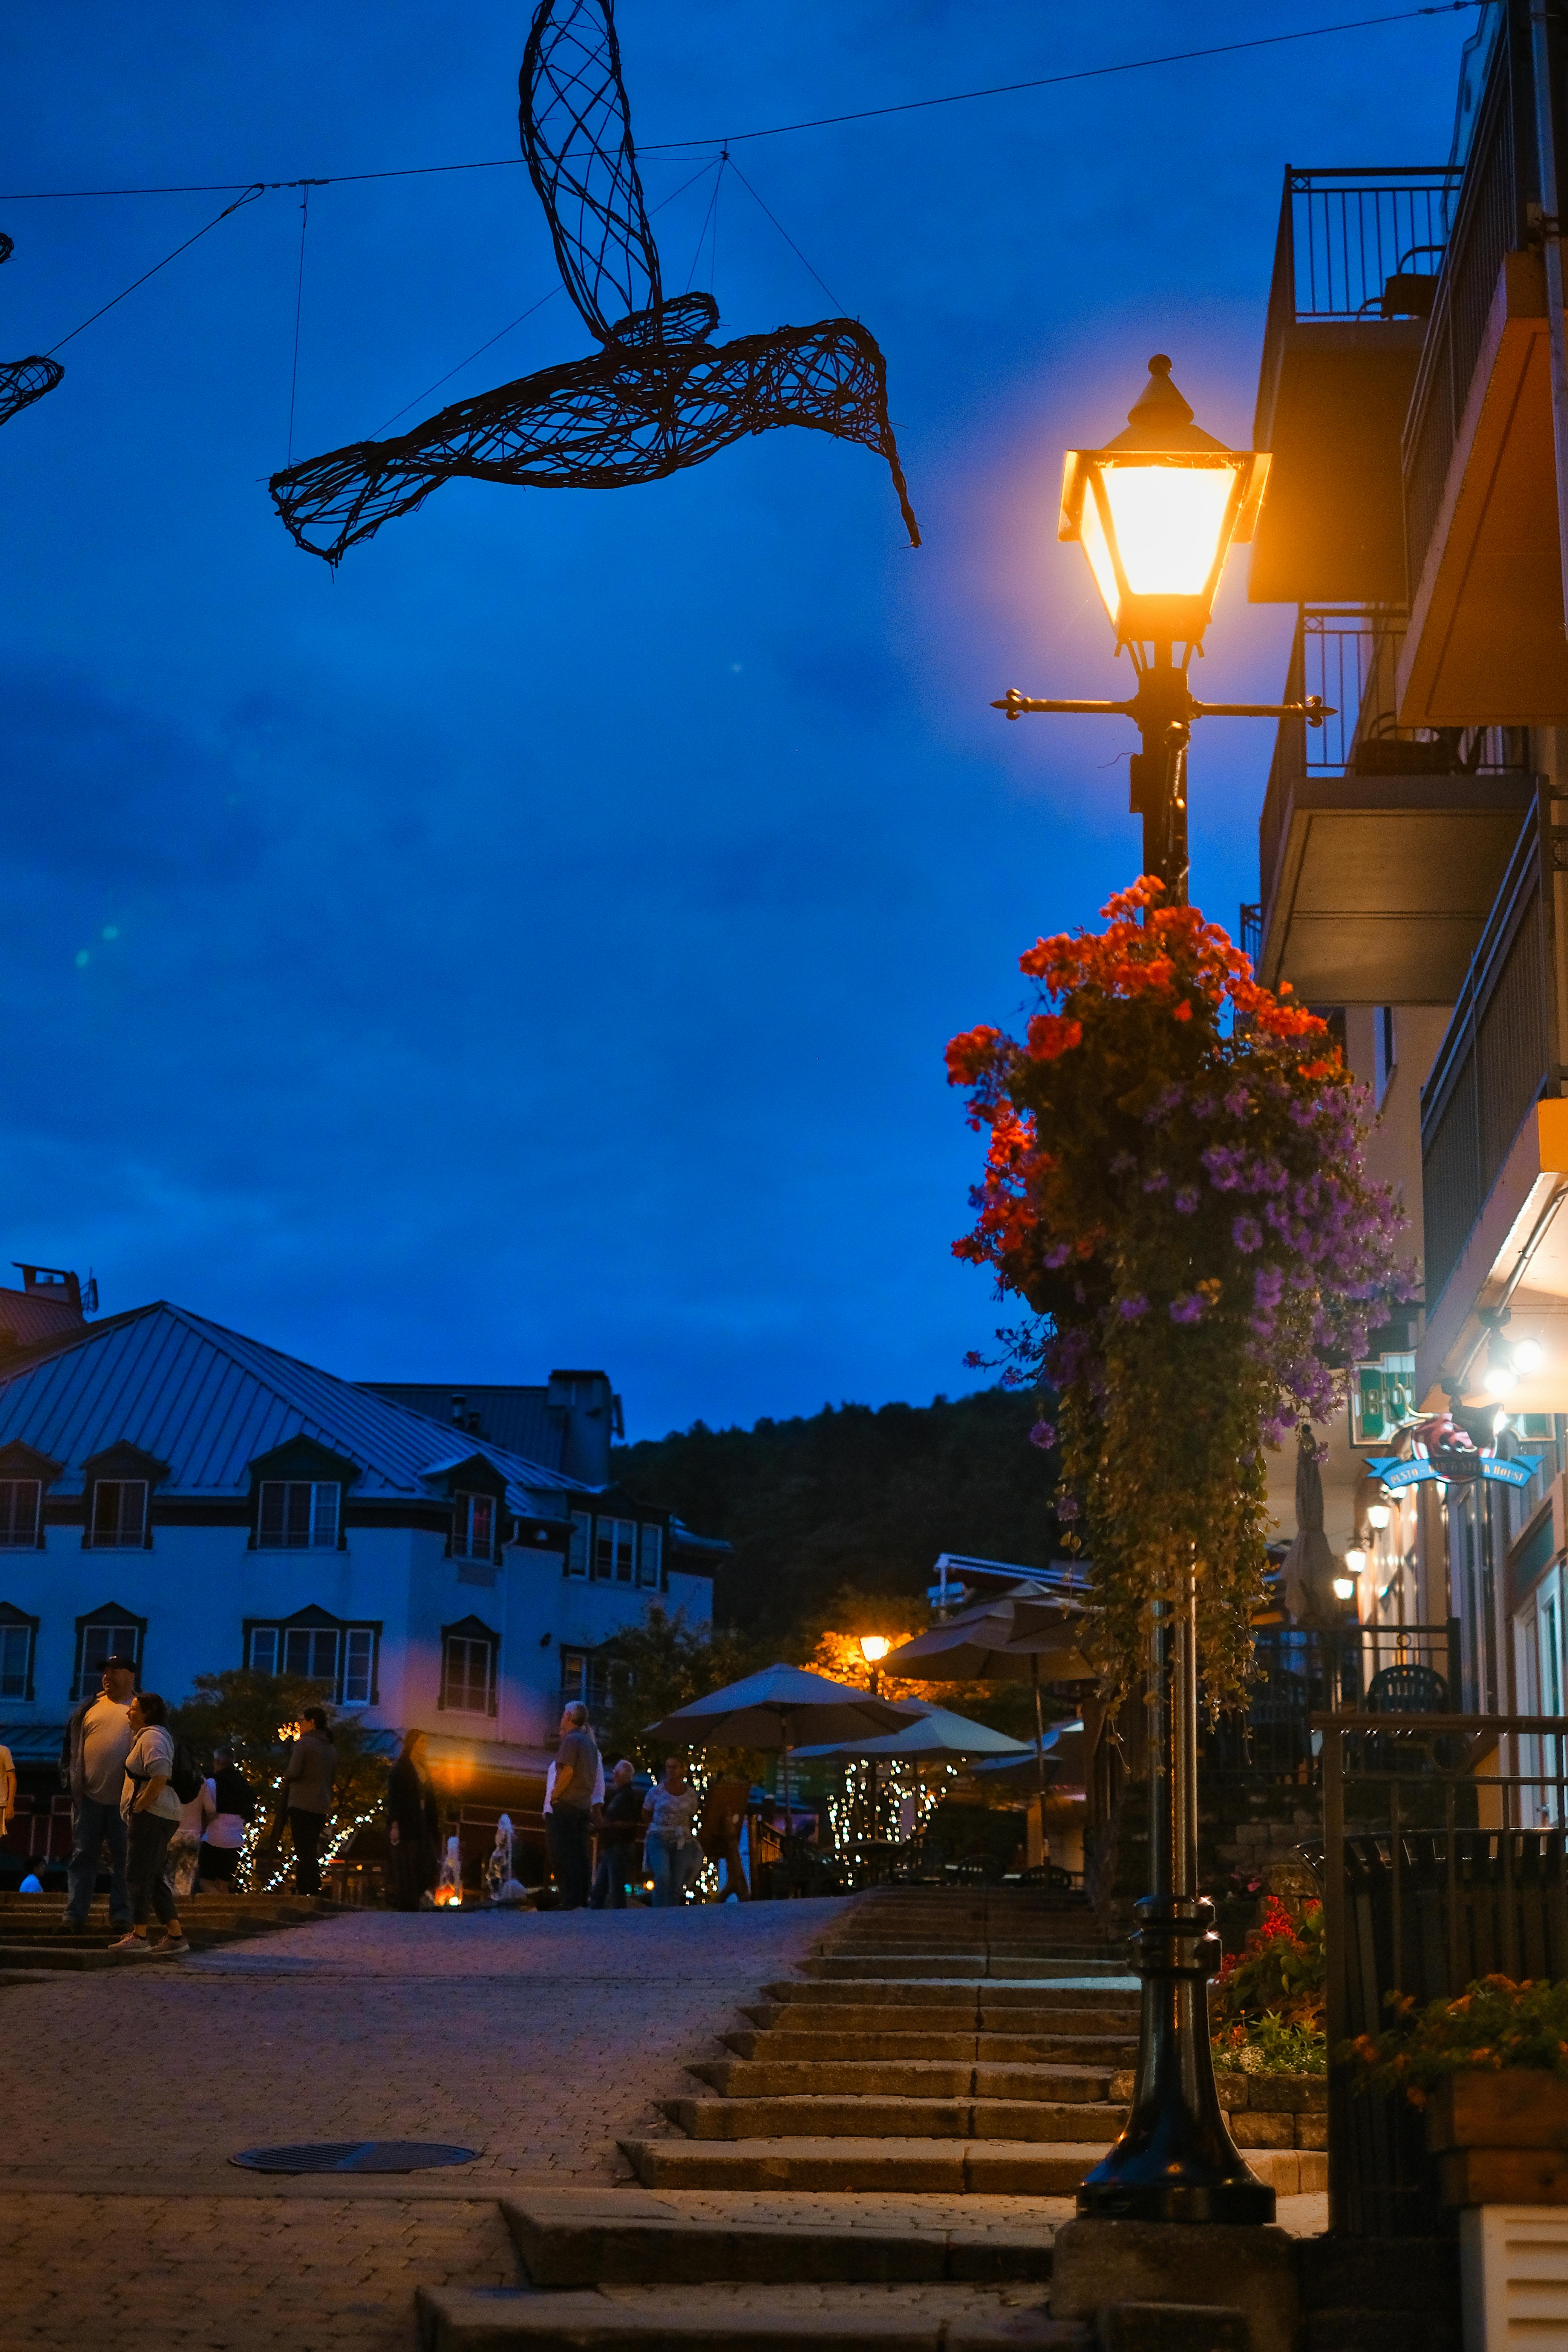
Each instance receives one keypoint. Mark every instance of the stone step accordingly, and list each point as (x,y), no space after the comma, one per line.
(998,2049)
(832,2164)
(1011,1994)
(586,2237)
(854,2019)
(808,2115)
(771,2078)
(744,2318)
(990,2167)
(941,1965)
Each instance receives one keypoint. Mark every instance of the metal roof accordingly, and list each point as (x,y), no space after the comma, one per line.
(207,1400)
(521,1419)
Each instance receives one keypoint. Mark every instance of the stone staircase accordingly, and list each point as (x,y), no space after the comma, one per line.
(819,2194)
(33,1940)
(942,2042)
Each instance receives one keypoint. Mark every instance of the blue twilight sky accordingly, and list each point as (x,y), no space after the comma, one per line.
(537,944)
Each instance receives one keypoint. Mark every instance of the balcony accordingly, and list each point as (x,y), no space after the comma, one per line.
(1381,849)
(1355,268)
(1485,642)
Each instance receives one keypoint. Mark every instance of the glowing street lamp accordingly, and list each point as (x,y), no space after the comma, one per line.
(1378,1515)
(1156,512)
(874,1648)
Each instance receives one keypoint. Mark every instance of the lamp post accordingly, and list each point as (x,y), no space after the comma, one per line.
(1156,512)
(874,1648)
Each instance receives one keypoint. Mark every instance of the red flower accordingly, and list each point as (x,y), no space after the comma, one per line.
(969,1055)
(1050,1034)
(1182,1012)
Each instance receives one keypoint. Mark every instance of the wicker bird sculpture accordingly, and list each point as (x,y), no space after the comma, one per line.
(658,395)
(23,381)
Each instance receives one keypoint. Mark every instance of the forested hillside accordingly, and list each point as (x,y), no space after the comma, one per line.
(853,1497)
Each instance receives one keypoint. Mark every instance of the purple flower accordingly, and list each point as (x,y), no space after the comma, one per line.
(1185,1201)
(1268,1287)
(1043,1435)
(1222,1167)
(1132,1310)
(1238,1102)
(1058,1255)
(1188,1309)
(1246,1234)
(1156,1180)
(1067,1506)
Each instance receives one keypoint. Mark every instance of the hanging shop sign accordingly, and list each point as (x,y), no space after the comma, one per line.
(1454,1466)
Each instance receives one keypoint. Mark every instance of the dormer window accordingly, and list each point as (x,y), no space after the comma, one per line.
(20,1502)
(118,1519)
(473,1527)
(298,1514)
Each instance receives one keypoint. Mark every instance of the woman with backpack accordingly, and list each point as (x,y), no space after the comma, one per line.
(150,1808)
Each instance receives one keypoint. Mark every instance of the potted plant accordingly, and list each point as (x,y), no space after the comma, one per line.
(1490,2072)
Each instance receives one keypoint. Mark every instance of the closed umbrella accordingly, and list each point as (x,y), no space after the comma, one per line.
(776,1708)
(1308,1566)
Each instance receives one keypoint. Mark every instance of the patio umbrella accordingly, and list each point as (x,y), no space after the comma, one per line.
(1309,1566)
(939,1737)
(774,1709)
(1020,1637)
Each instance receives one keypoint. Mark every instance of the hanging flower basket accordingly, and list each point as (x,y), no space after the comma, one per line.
(1174,1185)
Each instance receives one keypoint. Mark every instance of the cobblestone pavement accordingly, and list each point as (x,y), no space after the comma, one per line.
(538,2040)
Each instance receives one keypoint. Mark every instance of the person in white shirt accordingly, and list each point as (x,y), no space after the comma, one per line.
(232,1807)
(151,1810)
(92,1763)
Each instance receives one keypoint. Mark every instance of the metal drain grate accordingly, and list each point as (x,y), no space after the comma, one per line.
(355,2156)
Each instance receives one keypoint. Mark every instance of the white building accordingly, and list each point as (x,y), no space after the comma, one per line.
(174,1490)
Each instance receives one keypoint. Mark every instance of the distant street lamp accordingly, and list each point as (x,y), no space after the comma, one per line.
(1156,512)
(874,1648)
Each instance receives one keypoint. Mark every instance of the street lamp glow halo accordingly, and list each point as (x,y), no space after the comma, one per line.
(874,1648)
(1156,513)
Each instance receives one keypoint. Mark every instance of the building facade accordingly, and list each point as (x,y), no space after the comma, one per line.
(178,1492)
(1413,850)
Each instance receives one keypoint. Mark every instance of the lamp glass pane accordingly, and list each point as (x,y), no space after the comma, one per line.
(1092,536)
(1168,520)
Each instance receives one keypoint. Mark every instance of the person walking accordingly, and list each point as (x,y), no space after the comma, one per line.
(306,1796)
(618,1821)
(233,1803)
(7,1788)
(672,1850)
(577,1770)
(718,1834)
(150,1810)
(412,1826)
(92,1766)
(185,1847)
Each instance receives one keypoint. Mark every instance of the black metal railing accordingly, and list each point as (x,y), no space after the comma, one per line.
(1433,1874)
(1498,1057)
(1306,1671)
(1250,929)
(1491,219)
(1352,242)
(1347,658)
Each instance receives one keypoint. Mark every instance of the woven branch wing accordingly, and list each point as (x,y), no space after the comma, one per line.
(577,136)
(624,416)
(23,381)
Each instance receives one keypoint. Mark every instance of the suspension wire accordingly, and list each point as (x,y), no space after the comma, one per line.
(298,304)
(708,215)
(787,238)
(251,193)
(780,130)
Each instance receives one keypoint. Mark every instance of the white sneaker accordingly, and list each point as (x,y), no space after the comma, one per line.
(171,1948)
(132,1948)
